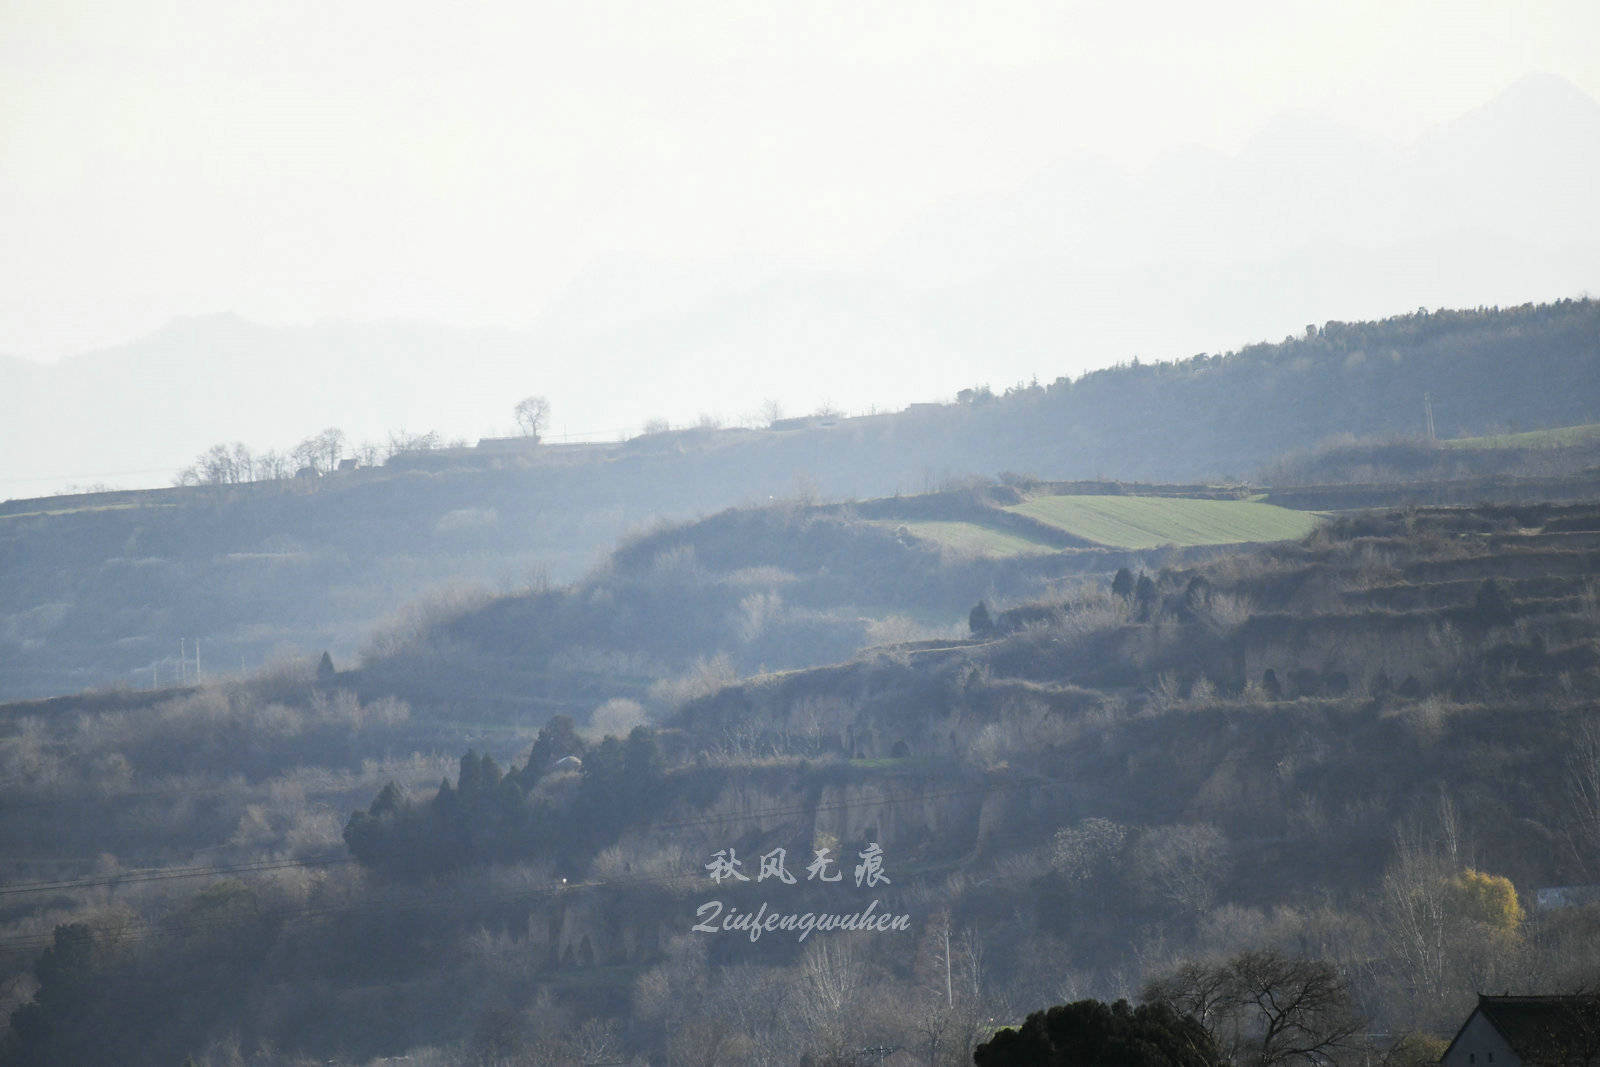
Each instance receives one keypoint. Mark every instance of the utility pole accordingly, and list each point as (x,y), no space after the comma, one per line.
(949,997)
(1427,410)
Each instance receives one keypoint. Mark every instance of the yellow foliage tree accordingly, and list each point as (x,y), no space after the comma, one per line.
(1487,898)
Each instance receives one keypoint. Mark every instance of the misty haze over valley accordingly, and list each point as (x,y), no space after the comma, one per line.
(808,534)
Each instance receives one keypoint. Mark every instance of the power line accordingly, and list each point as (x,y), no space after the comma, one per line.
(152,874)
(398,898)
(403,897)
(612,436)
(93,474)
(156,874)
(394,899)
(574,436)
(162,874)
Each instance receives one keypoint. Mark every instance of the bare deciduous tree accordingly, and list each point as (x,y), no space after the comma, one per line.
(273,465)
(833,978)
(1583,791)
(532,412)
(1302,1009)
(1414,909)
(322,452)
(402,441)
(1198,989)
(1180,866)
(220,465)
(1266,1008)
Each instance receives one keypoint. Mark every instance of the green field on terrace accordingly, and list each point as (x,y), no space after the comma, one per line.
(1149,521)
(972,538)
(1560,437)
(68,510)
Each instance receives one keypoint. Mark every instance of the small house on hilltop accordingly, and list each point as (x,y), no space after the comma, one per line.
(1540,1031)
(1565,896)
(797,422)
(521,443)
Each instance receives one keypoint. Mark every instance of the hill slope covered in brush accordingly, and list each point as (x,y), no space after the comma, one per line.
(106,589)
(1319,747)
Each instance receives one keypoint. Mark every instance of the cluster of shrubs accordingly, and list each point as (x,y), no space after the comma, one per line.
(490,815)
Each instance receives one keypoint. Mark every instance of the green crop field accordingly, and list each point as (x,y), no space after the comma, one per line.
(972,538)
(1148,521)
(1561,437)
(69,510)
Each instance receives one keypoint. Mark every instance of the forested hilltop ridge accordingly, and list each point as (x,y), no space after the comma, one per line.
(1368,749)
(256,570)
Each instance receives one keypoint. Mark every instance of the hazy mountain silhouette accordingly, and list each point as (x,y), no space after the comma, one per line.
(1085,265)
(1519,165)
(153,403)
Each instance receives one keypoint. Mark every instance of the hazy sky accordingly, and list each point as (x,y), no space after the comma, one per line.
(299,161)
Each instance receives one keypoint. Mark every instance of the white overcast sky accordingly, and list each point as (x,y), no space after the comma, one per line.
(296,161)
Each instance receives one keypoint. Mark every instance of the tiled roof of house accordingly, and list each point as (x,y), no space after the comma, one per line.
(1543,1028)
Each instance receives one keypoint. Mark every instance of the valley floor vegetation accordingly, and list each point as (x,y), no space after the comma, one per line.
(1124,796)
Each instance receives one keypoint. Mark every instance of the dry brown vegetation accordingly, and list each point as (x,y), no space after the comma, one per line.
(1305,748)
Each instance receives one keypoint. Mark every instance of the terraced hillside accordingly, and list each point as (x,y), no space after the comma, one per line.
(1317,747)
(1298,707)
(1288,746)
(975,538)
(776,587)
(789,586)
(1559,437)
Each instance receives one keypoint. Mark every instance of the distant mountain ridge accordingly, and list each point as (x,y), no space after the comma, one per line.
(108,588)
(1086,265)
